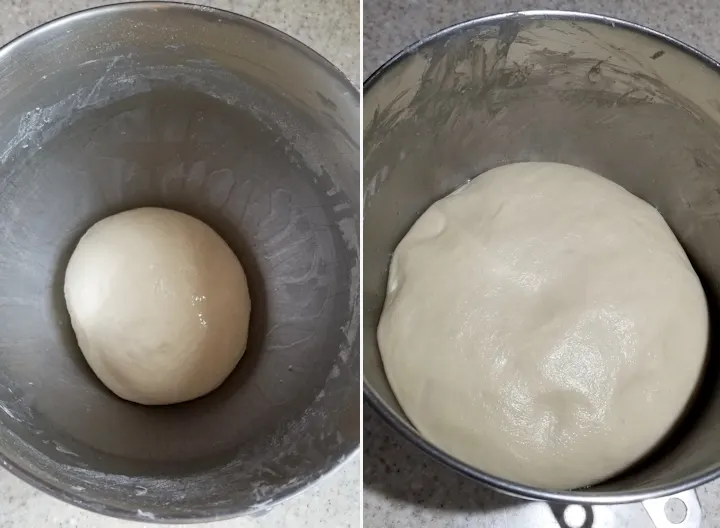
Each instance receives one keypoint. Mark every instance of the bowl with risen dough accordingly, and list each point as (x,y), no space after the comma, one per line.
(540,261)
(232,150)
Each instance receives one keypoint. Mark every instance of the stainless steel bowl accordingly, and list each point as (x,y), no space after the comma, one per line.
(241,126)
(624,101)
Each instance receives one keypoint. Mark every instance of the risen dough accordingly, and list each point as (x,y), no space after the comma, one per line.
(544,325)
(159,304)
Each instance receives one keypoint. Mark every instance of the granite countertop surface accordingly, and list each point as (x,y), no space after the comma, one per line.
(333,30)
(403,487)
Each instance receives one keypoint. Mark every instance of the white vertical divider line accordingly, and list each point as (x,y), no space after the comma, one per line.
(362,245)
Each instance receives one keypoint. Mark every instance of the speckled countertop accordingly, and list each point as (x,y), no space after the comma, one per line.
(403,486)
(332,29)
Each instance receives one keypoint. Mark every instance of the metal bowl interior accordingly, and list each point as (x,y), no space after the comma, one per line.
(226,119)
(623,101)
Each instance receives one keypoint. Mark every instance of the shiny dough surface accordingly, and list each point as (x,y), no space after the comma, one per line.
(544,325)
(159,304)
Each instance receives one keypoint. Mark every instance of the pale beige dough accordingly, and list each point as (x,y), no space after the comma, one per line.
(544,325)
(159,304)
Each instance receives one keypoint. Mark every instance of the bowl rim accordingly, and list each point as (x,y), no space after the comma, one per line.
(76,498)
(584,497)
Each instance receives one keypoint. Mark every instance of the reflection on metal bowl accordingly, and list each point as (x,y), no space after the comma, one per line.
(623,101)
(232,122)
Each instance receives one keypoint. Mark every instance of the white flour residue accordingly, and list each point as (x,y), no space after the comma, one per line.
(146,515)
(65,450)
(350,328)
(32,123)
(376,181)
(100,81)
(7,411)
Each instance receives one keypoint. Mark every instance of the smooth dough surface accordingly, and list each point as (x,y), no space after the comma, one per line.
(159,304)
(544,325)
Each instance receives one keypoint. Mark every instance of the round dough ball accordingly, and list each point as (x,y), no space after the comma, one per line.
(159,304)
(544,325)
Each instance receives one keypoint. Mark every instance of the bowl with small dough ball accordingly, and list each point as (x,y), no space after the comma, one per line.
(179,263)
(541,266)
